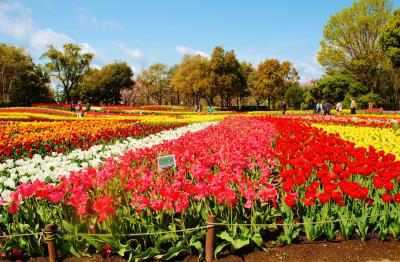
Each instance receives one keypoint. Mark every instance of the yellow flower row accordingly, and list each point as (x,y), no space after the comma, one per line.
(145,118)
(386,139)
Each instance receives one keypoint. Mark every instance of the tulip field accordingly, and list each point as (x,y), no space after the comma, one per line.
(265,177)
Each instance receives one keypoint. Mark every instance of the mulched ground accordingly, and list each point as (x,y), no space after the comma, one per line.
(352,250)
(343,251)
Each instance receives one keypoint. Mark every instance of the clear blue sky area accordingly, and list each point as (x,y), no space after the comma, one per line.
(146,32)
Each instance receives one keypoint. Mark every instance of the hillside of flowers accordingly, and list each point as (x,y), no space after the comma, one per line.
(263,177)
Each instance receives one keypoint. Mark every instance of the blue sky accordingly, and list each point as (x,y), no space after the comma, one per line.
(146,32)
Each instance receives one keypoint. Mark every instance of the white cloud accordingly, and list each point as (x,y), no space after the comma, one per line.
(132,53)
(40,38)
(136,57)
(87,20)
(185,50)
(309,70)
(86,48)
(16,22)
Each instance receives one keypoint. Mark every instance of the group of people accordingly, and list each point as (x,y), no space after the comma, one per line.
(198,108)
(319,107)
(80,112)
(325,107)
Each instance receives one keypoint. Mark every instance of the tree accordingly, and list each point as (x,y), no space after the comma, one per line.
(174,96)
(67,67)
(155,82)
(335,86)
(294,96)
(114,78)
(33,87)
(246,71)
(271,80)
(351,41)
(21,81)
(90,88)
(192,77)
(13,62)
(105,85)
(131,95)
(389,38)
(226,77)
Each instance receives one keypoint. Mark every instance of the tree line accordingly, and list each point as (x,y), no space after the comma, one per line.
(360,52)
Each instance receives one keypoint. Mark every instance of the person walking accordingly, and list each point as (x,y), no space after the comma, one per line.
(339,108)
(353,106)
(314,106)
(327,108)
(319,107)
(283,107)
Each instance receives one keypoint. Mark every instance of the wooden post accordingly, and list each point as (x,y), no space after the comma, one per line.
(210,239)
(49,231)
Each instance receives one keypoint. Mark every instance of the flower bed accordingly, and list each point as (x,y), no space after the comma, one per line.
(50,167)
(263,178)
(212,175)
(386,139)
(325,178)
(19,140)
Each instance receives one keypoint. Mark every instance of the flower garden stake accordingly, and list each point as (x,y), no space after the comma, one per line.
(210,238)
(49,237)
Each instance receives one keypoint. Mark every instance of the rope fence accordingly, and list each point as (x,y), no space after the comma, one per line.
(49,233)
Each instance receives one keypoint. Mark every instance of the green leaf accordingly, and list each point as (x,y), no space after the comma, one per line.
(176,251)
(69,227)
(149,253)
(198,246)
(123,249)
(74,252)
(220,247)
(225,236)
(238,243)
(257,239)
(164,239)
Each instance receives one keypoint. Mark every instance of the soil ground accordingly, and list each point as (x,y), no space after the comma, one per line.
(343,251)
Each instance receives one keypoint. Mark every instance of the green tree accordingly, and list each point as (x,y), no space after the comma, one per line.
(114,78)
(246,71)
(389,38)
(90,88)
(33,87)
(226,77)
(192,77)
(294,96)
(155,82)
(271,80)
(174,95)
(67,67)
(335,86)
(21,81)
(13,62)
(351,41)
(105,85)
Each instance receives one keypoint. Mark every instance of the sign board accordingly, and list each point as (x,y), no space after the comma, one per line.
(166,161)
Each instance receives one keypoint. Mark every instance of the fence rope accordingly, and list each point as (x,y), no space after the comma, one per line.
(47,237)
(22,235)
(299,223)
(140,234)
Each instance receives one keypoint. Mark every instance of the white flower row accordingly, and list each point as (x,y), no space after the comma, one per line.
(49,168)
